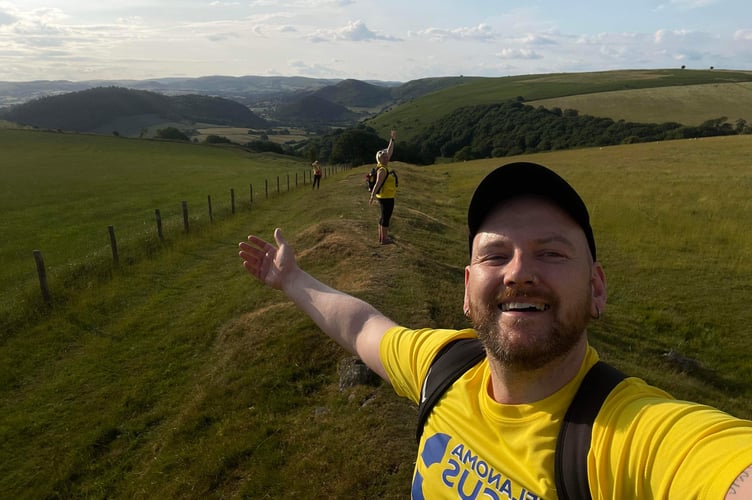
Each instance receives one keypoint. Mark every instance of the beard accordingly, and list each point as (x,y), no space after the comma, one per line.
(515,346)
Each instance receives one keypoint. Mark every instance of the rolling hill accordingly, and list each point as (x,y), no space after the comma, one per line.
(311,110)
(356,94)
(617,88)
(688,97)
(128,111)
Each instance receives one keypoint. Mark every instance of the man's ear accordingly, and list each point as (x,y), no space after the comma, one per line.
(598,290)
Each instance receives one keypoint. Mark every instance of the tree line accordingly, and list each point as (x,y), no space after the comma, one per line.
(506,129)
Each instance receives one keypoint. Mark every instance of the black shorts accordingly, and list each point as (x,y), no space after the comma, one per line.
(387,207)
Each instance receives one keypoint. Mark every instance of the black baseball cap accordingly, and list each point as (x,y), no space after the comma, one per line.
(525,178)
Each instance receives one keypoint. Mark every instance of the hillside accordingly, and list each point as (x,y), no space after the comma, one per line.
(415,116)
(356,94)
(311,110)
(175,375)
(688,97)
(103,108)
(686,104)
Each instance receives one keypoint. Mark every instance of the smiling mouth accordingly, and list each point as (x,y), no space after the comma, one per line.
(523,307)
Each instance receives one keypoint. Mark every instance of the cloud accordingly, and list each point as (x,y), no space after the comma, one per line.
(743,35)
(674,38)
(693,4)
(312,70)
(482,32)
(526,54)
(538,39)
(7,17)
(355,31)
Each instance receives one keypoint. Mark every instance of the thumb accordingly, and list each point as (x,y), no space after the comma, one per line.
(279,238)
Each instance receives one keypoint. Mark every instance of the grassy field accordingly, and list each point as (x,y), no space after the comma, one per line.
(689,105)
(60,192)
(242,135)
(667,87)
(178,376)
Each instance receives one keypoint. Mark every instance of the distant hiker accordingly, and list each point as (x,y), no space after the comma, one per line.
(532,286)
(316,175)
(384,189)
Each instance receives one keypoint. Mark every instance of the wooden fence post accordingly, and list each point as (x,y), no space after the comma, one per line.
(232,200)
(296,179)
(288,182)
(251,193)
(185,215)
(211,215)
(158,216)
(42,272)
(277,184)
(113,244)
(266,188)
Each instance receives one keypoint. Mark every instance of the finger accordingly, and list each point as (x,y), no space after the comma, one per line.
(256,241)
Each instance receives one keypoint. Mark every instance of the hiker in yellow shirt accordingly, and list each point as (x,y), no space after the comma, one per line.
(532,285)
(384,189)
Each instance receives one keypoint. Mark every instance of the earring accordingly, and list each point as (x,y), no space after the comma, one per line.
(597,313)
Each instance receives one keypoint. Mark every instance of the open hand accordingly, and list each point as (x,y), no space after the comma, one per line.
(268,264)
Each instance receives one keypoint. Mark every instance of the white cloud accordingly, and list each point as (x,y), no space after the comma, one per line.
(743,35)
(518,54)
(355,31)
(482,32)
(142,38)
(693,4)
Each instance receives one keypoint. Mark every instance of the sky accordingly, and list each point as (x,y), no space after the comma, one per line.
(388,40)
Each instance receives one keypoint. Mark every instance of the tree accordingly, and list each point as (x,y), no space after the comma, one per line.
(217,139)
(172,133)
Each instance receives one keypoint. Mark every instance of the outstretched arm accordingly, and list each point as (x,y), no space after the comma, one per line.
(354,324)
(390,147)
(742,486)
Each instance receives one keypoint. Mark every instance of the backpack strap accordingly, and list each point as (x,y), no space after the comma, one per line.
(378,190)
(454,359)
(573,442)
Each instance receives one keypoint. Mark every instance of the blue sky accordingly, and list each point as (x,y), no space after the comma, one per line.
(397,40)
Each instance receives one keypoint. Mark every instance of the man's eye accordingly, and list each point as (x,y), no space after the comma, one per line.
(496,257)
(552,254)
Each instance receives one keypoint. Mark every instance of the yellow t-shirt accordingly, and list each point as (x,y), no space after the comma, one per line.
(389,189)
(645,444)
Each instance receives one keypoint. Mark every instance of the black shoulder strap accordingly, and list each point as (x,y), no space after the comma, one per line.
(450,363)
(378,190)
(573,443)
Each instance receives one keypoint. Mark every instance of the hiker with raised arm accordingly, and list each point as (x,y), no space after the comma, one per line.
(536,415)
(385,189)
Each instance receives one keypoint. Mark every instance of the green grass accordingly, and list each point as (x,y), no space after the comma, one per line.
(688,105)
(716,89)
(179,376)
(60,192)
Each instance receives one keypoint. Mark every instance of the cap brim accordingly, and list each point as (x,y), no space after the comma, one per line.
(526,179)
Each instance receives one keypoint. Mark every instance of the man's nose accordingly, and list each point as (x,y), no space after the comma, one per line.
(520,270)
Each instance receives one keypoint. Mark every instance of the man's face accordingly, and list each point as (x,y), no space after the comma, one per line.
(531,286)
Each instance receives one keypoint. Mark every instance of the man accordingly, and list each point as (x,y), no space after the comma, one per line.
(532,286)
